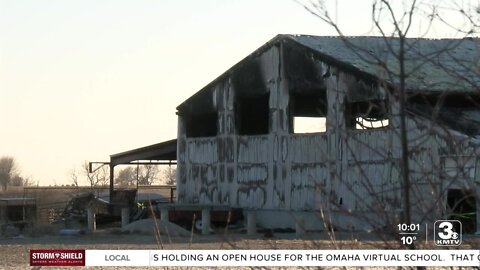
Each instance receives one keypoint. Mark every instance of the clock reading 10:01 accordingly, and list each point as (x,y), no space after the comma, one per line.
(402,227)
(408,232)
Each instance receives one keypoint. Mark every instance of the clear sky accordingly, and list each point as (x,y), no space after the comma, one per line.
(80,80)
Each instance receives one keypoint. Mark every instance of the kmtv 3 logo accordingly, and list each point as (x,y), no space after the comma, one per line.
(448,233)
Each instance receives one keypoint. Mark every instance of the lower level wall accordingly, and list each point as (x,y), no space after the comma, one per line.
(318,221)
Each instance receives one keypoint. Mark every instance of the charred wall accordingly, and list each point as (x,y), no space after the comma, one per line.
(254,160)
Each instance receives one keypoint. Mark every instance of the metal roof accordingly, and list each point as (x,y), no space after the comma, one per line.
(161,151)
(431,64)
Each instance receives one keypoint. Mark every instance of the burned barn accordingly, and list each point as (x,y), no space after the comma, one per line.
(241,143)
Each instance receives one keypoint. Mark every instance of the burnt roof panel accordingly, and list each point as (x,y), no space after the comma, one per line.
(432,65)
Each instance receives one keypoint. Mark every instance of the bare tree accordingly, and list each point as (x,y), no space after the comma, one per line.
(126,177)
(20,181)
(147,174)
(169,175)
(10,173)
(399,61)
(8,169)
(141,174)
(97,178)
(74,177)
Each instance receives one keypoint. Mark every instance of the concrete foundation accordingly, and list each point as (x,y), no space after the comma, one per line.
(205,221)
(302,221)
(164,214)
(251,223)
(300,227)
(125,216)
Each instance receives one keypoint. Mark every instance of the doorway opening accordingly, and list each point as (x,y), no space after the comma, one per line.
(462,207)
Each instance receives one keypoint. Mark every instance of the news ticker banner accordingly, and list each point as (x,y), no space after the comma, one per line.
(254,258)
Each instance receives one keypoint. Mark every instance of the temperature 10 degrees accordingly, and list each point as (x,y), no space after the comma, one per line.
(402,227)
(408,239)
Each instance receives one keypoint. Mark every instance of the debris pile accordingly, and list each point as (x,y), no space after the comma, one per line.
(153,226)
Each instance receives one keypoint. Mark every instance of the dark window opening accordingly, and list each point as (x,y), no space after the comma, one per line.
(308,112)
(462,207)
(457,111)
(201,125)
(367,114)
(444,100)
(252,114)
(15,213)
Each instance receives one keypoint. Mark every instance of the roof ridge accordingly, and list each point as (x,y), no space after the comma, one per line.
(371,36)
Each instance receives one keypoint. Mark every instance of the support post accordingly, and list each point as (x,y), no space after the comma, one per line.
(164,214)
(205,221)
(92,224)
(112,174)
(31,218)
(478,224)
(125,216)
(251,223)
(3,214)
(478,202)
(300,227)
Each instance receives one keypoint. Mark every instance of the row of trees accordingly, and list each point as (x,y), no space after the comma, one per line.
(10,174)
(127,176)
